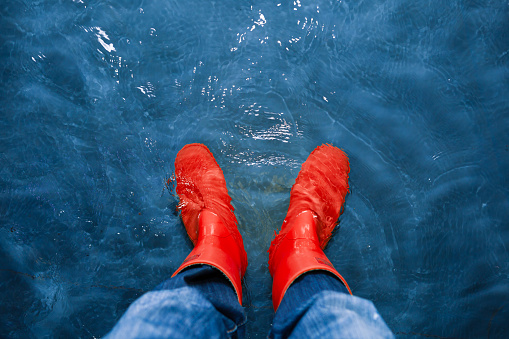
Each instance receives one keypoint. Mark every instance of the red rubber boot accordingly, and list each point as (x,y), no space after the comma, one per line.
(208,215)
(316,200)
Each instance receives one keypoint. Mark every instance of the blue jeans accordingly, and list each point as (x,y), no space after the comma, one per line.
(200,302)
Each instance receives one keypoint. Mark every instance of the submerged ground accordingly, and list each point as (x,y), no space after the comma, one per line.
(97,97)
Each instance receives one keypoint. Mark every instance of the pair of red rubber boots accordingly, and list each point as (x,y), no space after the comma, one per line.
(316,200)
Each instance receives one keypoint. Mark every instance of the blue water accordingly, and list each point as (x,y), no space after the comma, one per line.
(97,97)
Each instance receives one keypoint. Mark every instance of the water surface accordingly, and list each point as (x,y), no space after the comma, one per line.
(97,97)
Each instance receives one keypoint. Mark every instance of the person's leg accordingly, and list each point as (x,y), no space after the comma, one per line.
(318,305)
(216,288)
(309,295)
(316,200)
(206,210)
(198,302)
(204,296)
(300,292)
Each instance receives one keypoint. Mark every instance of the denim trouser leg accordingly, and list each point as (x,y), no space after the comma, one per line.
(317,305)
(199,302)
